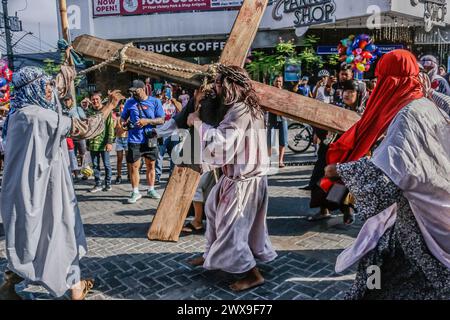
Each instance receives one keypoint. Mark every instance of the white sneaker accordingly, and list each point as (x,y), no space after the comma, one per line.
(134,197)
(96,189)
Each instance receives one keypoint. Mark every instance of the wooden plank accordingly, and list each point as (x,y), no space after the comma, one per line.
(100,50)
(303,109)
(243,32)
(174,205)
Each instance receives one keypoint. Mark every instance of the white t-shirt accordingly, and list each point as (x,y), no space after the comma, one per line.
(321,96)
(169,110)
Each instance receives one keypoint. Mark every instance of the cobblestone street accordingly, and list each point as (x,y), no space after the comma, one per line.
(126,265)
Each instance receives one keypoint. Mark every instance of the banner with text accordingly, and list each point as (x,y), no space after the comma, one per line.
(137,7)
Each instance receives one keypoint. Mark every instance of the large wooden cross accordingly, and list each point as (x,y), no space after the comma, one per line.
(176,200)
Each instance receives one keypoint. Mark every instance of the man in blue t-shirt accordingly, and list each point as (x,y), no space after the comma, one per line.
(140,114)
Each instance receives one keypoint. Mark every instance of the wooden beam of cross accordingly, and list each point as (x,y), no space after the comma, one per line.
(176,200)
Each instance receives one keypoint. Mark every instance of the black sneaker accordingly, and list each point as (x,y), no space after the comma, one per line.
(118,180)
(107,188)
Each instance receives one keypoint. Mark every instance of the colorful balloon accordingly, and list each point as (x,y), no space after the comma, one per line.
(360,52)
(367,55)
(365,37)
(371,47)
(363,44)
(361,67)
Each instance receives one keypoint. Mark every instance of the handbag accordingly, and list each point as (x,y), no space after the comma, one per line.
(152,142)
(337,194)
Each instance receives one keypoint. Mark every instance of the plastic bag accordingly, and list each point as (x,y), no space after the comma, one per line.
(86,166)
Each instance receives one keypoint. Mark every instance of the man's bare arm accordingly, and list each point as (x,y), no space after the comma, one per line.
(114,98)
(155,122)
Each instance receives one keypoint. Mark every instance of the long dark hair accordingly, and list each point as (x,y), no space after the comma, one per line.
(237,87)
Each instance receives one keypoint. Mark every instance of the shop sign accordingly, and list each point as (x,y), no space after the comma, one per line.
(305,12)
(137,7)
(434,12)
(106,7)
(186,48)
(292,70)
(323,50)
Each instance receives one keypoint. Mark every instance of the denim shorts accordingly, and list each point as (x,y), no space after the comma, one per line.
(73,161)
(122,144)
(283,133)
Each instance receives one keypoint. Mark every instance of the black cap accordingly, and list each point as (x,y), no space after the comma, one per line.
(136,84)
(354,85)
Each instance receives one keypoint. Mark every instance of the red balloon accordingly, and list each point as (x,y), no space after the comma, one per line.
(367,55)
(362,44)
(342,58)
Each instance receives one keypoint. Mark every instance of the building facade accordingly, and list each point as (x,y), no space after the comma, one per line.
(196,30)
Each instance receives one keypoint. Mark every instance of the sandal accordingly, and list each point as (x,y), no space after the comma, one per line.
(348,219)
(88,285)
(318,216)
(193,229)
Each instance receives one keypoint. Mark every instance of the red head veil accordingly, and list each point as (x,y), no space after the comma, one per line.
(398,85)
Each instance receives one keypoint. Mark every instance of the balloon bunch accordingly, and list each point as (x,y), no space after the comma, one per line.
(5,79)
(359,51)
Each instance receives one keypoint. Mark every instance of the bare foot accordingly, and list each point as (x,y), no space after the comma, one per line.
(77,291)
(253,279)
(196,261)
(81,289)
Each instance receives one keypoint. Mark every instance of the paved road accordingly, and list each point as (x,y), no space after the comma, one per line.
(128,266)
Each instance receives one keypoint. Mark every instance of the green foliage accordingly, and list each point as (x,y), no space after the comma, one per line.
(333,59)
(50,67)
(265,67)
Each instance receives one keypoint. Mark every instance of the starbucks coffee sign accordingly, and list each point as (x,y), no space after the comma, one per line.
(434,12)
(305,12)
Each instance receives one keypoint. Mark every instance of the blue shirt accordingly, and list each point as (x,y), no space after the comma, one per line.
(77,112)
(304,90)
(151,109)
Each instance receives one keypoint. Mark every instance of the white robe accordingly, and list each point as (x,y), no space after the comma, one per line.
(44,232)
(236,232)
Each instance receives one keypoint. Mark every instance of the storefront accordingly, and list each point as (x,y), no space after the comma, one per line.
(196,30)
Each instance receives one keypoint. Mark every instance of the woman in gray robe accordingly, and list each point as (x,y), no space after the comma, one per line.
(236,232)
(44,232)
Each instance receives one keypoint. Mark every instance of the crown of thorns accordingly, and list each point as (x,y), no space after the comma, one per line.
(227,72)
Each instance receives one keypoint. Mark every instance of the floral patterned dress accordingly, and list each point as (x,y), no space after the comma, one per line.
(408,269)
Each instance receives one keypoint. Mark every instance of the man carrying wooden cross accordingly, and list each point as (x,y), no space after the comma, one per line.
(236,232)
